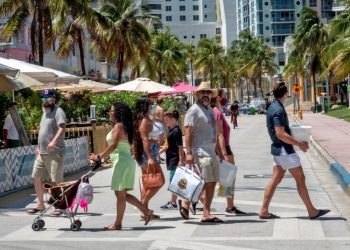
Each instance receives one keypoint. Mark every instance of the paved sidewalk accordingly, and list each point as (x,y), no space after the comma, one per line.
(333,136)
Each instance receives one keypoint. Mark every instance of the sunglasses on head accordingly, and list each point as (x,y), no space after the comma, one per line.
(46,99)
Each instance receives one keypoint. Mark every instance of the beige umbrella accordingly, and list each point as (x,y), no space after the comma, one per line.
(143,85)
(22,81)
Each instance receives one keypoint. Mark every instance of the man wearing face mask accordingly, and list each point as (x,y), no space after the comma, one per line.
(200,140)
(51,148)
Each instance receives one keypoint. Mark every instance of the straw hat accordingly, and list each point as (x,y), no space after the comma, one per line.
(206,86)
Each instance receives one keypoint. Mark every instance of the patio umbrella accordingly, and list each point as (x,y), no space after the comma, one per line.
(42,74)
(95,87)
(8,83)
(4,70)
(143,85)
(182,87)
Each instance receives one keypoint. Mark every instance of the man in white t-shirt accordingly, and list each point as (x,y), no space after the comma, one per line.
(9,132)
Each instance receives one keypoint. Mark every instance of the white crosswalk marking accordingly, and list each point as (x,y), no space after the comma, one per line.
(50,231)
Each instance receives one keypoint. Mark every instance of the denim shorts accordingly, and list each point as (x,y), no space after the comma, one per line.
(155,152)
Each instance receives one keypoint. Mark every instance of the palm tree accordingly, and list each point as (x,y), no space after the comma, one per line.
(18,11)
(261,62)
(66,28)
(295,68)
(168,53)
(337,55)
(209,58)
(310,39)
(118,31)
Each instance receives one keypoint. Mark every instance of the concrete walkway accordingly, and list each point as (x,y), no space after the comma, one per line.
(333,138)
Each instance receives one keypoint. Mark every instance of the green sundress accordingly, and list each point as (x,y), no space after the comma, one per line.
(123,166)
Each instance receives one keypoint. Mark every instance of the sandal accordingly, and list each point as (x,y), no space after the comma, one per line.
(148,216)
(113,227)
(183,211)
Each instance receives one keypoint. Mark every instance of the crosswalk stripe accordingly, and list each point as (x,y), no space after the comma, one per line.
(50,232)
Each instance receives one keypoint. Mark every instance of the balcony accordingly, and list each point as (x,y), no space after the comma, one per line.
(283,19)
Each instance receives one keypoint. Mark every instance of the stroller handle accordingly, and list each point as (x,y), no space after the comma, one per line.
(97,165)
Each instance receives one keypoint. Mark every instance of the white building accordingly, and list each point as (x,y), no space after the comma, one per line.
(189,20)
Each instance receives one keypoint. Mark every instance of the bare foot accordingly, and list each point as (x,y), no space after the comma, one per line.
(112,227)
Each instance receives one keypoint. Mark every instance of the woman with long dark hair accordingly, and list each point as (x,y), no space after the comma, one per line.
(119,140)
(146,147)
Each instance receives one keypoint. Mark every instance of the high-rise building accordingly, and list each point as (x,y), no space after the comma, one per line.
(274,20)
(189,20)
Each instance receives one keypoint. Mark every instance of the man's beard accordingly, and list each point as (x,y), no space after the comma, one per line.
(205,100)
(48,108)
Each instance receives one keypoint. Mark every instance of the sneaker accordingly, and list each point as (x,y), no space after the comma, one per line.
(234,211)
(169,205)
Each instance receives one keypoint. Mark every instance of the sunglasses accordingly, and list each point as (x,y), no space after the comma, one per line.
(205,92)
(46,99)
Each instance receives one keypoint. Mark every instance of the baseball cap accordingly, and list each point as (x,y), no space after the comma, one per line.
(47,92)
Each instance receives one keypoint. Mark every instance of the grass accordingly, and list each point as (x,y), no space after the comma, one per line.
(342,113)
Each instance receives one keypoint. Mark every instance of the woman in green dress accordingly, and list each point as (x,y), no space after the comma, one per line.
(119,149)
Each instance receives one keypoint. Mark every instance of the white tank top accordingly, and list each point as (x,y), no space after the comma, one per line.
(156,131)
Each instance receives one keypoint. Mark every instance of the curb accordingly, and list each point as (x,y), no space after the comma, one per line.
(336,169)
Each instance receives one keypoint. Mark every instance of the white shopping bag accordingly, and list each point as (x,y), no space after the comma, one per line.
(227,172)
(186,184)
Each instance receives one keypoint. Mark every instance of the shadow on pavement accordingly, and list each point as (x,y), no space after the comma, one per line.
(225,222)
(101,229)
(321,218)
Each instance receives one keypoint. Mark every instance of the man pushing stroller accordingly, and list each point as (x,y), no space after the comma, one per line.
(50,151)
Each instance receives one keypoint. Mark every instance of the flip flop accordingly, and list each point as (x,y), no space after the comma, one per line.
(183,211)
(269,217)
(193,208)
(112,227)
(320,213)
(34,210)
(212,220)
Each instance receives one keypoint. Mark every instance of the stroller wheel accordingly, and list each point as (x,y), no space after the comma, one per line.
(78,222)
(41,223)
(36,226)
(74,226)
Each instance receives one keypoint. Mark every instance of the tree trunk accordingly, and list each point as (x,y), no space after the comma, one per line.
(255,89)
(33,36)
(40,6)
(313,89)
(260,86)
(232,92)
(248,89)
(120,64)
(81,52)
(301,83)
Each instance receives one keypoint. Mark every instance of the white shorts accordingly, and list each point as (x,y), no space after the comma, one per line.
(287,161)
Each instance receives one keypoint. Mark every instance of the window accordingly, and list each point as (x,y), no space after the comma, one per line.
(195,7)
(313,3)
(182,7)
(205,6)
(267,27)
(218,31)
(193,37)
(203,36)
(205,16)
(167,0)
(195,17)
(168,18)
(266,15)
(167,8)
(155,6)
(182,18)
(185,37)
(266,3)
